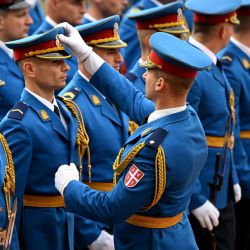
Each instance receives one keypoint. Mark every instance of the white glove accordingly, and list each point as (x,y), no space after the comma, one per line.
(207,215)
(237,192)
(105,241)
(64,175)
(75,42)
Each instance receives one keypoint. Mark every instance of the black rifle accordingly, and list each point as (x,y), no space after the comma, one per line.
(220,167)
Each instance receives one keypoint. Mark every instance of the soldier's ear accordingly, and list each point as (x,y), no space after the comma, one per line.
(159,84)
(29,69)
(146,40)
(223,32)
(1,22)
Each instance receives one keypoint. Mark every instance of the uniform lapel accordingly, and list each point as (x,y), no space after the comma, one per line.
(96,99)
(217,73)
(45,114)
(71,122)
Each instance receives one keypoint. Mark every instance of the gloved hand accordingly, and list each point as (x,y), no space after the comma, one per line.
(207,215)
(105,241)
(64,175)
(75,42)
(237,192)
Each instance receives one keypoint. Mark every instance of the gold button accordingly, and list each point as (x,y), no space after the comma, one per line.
(1,209)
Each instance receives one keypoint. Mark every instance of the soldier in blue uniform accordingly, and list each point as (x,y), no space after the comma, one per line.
(154,184)
(14,25)
(63,11)
(211,96)
(37,14)
(103,123)
(128,29)
(236,64)
(7,185)
(42,133)
(167,18)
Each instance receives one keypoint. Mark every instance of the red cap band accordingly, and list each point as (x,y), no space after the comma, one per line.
(171,68)
(6,2)
(213,19)
(244,11)
(99,35)
(140,25)
(21,53)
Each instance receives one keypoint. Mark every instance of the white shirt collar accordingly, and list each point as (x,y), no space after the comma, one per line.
(242,46)
(164,112)
(83,76)
(157,3)
(91,18)
(47,103)
(203,48)
(50,21)
(8,51)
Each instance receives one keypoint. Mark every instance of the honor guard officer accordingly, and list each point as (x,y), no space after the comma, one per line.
(128,29)
(14,24)
(236,64)
(42,133)
(107,128)
(153,183)
(7,206)
(167,18)
(58,11)
(212,97)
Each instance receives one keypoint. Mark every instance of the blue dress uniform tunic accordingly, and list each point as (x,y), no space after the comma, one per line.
(107,129)
(209,96)
(39,144)
(236,65)
(11,83)
(124,200)
(72,62)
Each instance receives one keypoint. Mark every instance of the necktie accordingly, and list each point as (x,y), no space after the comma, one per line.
(56,110)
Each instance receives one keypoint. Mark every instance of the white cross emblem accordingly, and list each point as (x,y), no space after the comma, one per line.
(133,176)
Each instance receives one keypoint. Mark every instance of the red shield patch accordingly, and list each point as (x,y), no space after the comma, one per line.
(133,176)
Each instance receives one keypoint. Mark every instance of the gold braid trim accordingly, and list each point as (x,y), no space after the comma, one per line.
(160,170)
(166,25)
(9,179)
(232,105)
(104,40)
(43,51)
(120,167)
(82,139)
(160,177)
(132,126)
